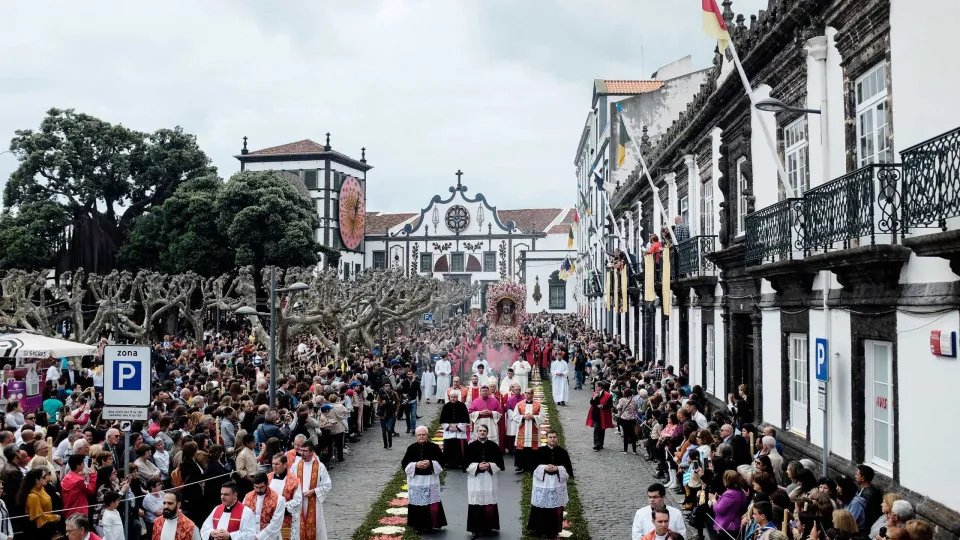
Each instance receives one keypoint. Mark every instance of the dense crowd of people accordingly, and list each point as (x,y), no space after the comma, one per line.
(731,474)
(215,457)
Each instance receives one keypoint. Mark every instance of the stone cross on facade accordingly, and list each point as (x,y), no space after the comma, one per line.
(459,174)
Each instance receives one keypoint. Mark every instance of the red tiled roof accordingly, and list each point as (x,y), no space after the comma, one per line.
(605,86)
(305,146)
(530,219)
(377,223)
(569,217)
(560,228)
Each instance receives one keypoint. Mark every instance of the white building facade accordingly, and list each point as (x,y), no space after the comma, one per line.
(462,237)
(863,258)
(319,173)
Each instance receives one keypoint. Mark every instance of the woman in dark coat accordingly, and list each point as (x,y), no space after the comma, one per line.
(192,491)
(214,478)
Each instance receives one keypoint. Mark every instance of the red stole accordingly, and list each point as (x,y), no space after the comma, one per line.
(290,485)
(522,410)
(270,501)
(233,524)
(184,527)
(308,525)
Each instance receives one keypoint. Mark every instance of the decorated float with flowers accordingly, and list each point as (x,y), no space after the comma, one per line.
(506,312)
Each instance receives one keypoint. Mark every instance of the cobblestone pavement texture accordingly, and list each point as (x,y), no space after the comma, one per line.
(612,486)
(454,497)
(359,479)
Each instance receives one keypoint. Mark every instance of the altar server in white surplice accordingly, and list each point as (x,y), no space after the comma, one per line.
(521,370)
(559,371)
(442,370)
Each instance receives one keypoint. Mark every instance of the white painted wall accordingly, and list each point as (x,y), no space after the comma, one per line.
(694,346)
(840,385)
(762,160)
(285,165)
(720,390)
(926,381)
(920,32)
(772,372)
(833,118)
(718,197)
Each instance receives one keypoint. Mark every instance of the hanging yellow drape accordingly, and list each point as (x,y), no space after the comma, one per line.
(616,291)
(665,293)
(649,294)
(606,289)
(624,281)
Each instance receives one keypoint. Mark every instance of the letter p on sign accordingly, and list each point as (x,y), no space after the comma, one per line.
(823,359)
(126,375)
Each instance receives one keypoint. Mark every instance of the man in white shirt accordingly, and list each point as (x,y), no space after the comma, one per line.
(229,520)
(643,521)
(268,507)
(696,415)
(173,524)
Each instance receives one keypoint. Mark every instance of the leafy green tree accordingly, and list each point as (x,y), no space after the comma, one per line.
(30,237)
(267,222)
(104,174)
(181,235)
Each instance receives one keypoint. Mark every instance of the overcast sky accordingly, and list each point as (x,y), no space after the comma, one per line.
(497,88)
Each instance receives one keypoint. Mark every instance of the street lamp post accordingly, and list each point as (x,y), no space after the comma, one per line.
(774,105)
(249,311)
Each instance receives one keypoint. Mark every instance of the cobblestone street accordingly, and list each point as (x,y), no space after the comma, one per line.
(358,481)
(612,485)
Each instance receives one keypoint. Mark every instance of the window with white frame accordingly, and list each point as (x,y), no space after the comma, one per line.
(741,196)
(799,382)
(706,208)
(685,210)
(878,409)
(873,115)
(426,262)
(795,152)
(709,354)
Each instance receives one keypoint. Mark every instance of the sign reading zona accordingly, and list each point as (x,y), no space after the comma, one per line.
(126,375)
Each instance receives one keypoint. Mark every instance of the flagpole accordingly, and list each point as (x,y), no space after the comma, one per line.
(781,171)
(646,172)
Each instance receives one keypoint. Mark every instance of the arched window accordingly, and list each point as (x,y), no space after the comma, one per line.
(558,291)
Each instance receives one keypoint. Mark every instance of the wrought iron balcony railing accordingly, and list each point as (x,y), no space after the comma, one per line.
(691,256)
(851,210)
(931,182)
(775,233)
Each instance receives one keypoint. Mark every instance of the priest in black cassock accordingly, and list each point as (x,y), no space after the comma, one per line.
(423,463)
(549,494)
(454,420)
(484,462)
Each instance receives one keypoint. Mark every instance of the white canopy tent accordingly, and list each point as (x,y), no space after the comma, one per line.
(23,345)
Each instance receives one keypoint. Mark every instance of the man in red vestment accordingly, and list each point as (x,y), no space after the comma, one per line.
(600,417)
(172,524)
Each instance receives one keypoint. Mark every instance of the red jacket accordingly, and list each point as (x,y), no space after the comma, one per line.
(605,402)
(75,493)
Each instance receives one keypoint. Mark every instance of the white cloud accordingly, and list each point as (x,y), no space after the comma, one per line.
(497,88)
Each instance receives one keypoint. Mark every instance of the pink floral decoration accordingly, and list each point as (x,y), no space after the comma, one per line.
(398,502)
(393,520)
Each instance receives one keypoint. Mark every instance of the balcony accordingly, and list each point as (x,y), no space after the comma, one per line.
(843,226)
(931,197)
(775,233)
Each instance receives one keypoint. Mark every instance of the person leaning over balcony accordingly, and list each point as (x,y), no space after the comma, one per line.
(680,230)
(654,247)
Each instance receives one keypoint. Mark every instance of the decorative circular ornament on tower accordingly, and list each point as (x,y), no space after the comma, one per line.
(353,211)
(458,218)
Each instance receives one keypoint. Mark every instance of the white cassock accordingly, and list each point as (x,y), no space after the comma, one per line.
(507,383)
(561,387)
(169,530)
(427,384)
(272,530)
(521,371)
(323,486)
(511,423)
(486,367)
(249,525)
(442,370)
(292,506)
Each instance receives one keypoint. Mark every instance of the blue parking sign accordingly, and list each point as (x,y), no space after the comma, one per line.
(822,358)
(126,375)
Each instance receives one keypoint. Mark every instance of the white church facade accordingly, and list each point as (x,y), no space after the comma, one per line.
(458,236)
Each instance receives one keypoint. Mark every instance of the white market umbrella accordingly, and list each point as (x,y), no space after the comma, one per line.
(23,345)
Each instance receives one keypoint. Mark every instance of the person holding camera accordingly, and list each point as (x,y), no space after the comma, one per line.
(77,485)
